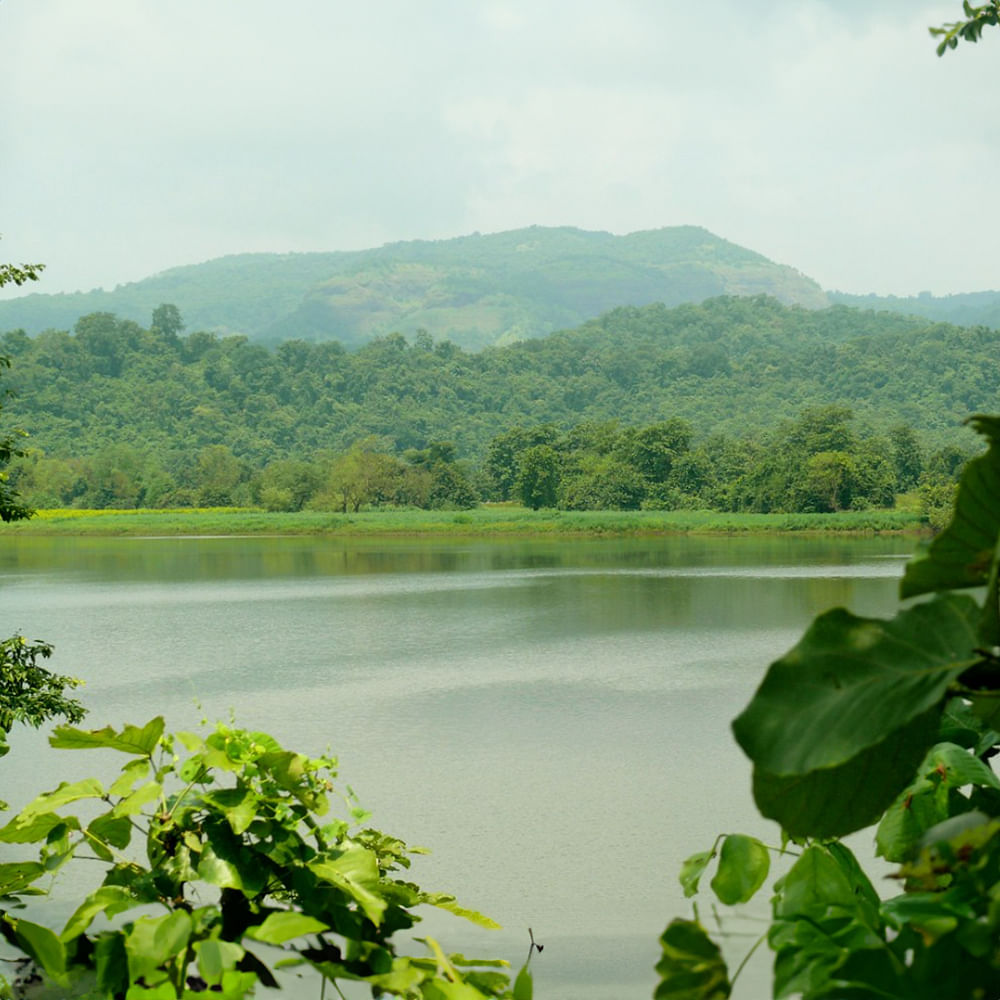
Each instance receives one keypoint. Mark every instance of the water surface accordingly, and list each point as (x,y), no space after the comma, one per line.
(551,717)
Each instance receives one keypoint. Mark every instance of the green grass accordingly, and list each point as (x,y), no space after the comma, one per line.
(484,521)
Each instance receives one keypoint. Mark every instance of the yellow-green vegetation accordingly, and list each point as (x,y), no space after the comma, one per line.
(490,520)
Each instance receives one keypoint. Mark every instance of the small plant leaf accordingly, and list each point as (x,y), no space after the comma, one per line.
(692,870)
(692,966)
(278,928)
(743,865)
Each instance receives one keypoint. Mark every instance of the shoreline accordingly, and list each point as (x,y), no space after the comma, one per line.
(481,522)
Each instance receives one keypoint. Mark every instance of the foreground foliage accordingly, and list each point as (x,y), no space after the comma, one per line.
(223,862)
(871,721)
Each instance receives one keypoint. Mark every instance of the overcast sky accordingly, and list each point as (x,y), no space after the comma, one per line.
(136,135)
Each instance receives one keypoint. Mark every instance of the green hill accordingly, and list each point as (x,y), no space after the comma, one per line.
(966,309)
(473,290)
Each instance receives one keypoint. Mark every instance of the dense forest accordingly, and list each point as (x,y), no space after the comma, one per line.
(736,404)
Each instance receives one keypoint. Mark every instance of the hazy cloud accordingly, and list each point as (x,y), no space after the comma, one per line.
(137,135)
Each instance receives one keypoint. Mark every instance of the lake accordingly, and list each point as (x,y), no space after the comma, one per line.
(549,717)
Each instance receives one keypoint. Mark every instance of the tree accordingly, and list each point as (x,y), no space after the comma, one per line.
(218,472)
(872,721)
(11,506)
(167,322)
(538,477)
(364,475)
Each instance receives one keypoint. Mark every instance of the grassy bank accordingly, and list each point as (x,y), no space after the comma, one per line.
(484,521)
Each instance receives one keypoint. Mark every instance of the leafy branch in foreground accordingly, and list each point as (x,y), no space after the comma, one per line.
(871,721)
(222,851)
(969,30)
(28,692)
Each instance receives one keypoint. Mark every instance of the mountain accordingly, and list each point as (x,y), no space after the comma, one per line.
(473,290)
(966,309)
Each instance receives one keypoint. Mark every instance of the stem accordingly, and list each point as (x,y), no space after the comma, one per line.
(746,958)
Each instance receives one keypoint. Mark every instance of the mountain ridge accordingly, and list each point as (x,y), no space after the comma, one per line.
(476,290)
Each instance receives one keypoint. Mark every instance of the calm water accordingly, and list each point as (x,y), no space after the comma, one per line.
(551,718)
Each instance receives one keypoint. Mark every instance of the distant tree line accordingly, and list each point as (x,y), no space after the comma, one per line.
(815,463)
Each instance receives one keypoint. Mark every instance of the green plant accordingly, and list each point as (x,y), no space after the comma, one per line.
(888,722)
(216,851)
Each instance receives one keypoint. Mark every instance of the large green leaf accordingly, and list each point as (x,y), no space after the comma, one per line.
(132,739)
(356,873)
(964,553)
(852,681)
(692,967)
(835,801)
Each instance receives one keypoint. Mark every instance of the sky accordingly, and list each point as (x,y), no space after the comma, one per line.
(138,135)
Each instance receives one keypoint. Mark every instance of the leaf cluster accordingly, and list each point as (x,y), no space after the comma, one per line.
(224,862)
(889,722)
(970,29)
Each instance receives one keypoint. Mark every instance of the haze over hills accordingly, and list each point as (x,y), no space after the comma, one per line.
(473,290)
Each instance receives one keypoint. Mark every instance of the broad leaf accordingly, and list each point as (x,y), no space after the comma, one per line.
(281,927)
(743,865)
(356,873)
(524,985)
(835,801)
(135,801)
(43,946)
(926,801)
(692,967)
(239,805)
(34,828)
(825,909)
(18,875)
(965,552)
(89,788)
(131,739)
(152,942)
(850,682)
(216,957)
(109,900)
(132,772)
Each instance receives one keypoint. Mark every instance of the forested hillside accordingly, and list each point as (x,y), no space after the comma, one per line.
(154,407)
(966,309)
(474,290)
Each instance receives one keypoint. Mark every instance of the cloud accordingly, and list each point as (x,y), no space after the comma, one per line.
(824,134)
